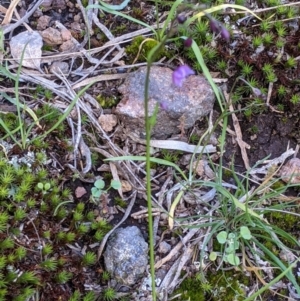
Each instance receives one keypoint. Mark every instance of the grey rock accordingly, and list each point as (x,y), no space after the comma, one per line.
(33,51)
(182,106)
(164,247)
(59,67)
(126,255)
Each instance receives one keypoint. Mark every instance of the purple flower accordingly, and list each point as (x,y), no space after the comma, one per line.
(163,105)
(180,73)
(188,42)
(181,18)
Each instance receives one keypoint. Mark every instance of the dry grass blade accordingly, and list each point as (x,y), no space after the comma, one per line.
(192,232)
(274,162)
(239,136)
(115,176)
(3,9)
(9,12)
(175,145)
(99,78)
(8,28)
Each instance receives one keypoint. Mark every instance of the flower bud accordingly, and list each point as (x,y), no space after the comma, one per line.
(188,42)
(225,33)
(181,18)
(214,25)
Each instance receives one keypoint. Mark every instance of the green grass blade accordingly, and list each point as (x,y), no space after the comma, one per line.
(274,281)
(289,274)
(10,133)
(66,113)
(221,7)
(206,72)
(171,15)
(117,13)
(154,160)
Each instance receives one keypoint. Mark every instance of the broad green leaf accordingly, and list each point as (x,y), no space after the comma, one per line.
(245,232)
(99,184)
(222,237)
(115,184)
(236,244)
(233,259)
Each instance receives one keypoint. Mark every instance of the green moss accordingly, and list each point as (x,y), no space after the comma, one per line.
(20,180)
(118,30)
(227,285)
(227,173)
(284,221)
(190,289)
(47,48)
(10,120)
(120,202)
(219,285)
(171,156)
(106,102)
(142,47)
(278,185)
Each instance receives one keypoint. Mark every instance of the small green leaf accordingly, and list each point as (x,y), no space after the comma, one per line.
(222,237)
(230,249)
(99,184)
(245,232)
(231,235)
(96,192)
(40,186)
(213,256)
(233,259)
(115,184)
(47,186)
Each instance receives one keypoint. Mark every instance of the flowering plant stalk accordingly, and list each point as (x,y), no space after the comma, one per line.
(148,123)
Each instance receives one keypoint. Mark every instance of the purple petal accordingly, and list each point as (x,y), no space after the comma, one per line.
(163,105)
(180,74)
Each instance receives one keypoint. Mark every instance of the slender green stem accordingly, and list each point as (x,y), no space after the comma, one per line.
(148,184)
(157,20)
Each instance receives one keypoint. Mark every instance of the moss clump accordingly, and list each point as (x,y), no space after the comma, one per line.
(219,285)
(287,222)
(106,102)
(190,289)
(120,202)
(28,192)
(227,285)
(141,47)
(10,120)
